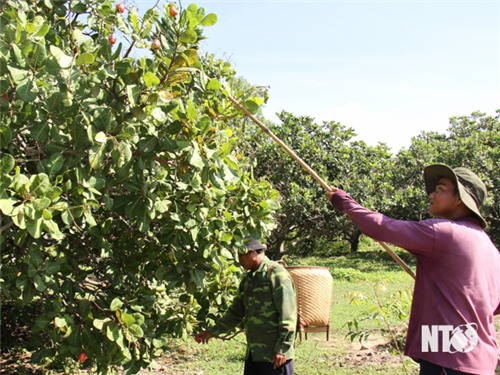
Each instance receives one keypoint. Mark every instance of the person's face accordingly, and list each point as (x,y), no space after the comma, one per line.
(247,260)
(444,201)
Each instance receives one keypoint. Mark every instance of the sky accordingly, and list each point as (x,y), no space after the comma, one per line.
(388,69)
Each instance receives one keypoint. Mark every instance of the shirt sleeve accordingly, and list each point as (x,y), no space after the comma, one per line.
(417,237)
(286,306)
(233,316)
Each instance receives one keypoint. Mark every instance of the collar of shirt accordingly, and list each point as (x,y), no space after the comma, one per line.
(262,266)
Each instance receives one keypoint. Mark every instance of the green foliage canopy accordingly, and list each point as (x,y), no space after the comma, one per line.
(122,199)
(390,184)
(329,149)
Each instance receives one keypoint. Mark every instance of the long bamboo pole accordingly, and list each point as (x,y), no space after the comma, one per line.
(311,172)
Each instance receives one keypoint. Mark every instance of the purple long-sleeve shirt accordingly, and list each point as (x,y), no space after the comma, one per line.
(457,288)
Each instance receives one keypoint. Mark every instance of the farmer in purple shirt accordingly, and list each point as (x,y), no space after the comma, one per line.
(457,288)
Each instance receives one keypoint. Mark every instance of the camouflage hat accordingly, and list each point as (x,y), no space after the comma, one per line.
(252,244)
(471,189)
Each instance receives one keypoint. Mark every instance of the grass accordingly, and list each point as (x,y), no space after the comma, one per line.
(361,272)
(369,271)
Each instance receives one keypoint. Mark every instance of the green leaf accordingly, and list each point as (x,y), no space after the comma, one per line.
(158,344)
(79,8)
(148,144)
(135,207)
(5,137)
(53,229)
(96,155)
(198,277)
(42,203)
(28,293)
(41,323)
(134,20)
(19,76)
(60,322)
(150,79)
(136,330)
(192,8)
(133,93)
(40,184)
(4,87)
(195,159)
(7,205)
(191,111)
(51,268)
(30,27)
(162,206)
(27,91)
(203,124)
(252,105)
(85,59)
(44,30)
(214,85)
(54,102)
(226,253)
(75,338)
(139,113)
(7,164)
(101,137)
(99,323)
(84,308)
(89,218)
(39,55)
(188,37)
(113,332)
(20,57)
(35,26)
(40,131)
(10,34)
(116,304)
(62,59)
(139,318)
(128,319)
(54,164)
(18,217)
(209,20)
(34,227)
(39,284)
(227,237)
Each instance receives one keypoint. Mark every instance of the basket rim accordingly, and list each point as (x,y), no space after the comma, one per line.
(323,267)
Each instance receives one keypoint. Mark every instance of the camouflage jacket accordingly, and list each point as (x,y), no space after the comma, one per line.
(265,305)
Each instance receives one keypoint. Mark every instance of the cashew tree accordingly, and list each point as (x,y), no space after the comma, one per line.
(123,198)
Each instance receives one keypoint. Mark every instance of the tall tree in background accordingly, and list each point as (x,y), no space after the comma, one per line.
(328,149)
(387,183)
(470,141)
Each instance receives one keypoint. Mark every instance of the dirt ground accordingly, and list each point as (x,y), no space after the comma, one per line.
(373,353)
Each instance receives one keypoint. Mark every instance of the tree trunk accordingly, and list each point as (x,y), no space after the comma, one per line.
(278,249)
(355,240)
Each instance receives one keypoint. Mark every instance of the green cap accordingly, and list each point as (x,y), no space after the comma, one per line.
(471,189)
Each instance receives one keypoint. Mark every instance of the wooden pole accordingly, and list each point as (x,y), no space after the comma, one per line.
(311,172)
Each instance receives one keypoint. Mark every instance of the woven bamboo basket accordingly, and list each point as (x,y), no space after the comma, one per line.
(314,289)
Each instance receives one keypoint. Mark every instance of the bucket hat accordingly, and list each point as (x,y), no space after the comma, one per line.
(253,244)
(471,190)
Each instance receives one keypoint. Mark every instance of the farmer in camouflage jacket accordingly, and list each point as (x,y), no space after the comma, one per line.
(265,304)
